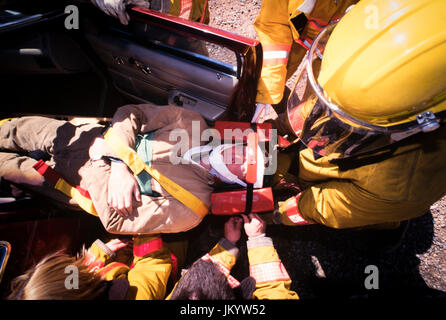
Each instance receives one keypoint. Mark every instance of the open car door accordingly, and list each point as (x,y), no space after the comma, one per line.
(90,71)
(164,59)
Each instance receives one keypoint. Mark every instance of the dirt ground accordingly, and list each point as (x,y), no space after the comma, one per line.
(324,262)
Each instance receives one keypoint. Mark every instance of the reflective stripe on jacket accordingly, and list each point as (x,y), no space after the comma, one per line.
(265,266)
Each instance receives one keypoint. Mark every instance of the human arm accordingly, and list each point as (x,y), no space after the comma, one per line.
(223,257)
(375,193)
(150,269)
(123,189)
(224,254)
(106,258)
(342,204)
(152,266)
(128,122)
(155,214)
(265,266)
(131,120)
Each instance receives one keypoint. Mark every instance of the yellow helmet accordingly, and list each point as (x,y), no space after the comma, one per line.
(375,77)
(385,62)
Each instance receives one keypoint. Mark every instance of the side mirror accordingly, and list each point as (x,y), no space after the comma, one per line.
(5,250)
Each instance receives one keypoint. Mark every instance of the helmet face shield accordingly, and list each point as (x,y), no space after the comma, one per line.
(325,134)
(322,125)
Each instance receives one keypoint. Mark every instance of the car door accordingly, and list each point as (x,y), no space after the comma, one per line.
(165,59)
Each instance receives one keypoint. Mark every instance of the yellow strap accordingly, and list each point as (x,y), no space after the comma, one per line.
(85,203)
(4,120)
(137,165)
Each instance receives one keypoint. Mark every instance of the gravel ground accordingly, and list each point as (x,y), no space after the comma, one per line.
(323,262)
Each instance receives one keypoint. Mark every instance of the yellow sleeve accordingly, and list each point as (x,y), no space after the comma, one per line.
(265,266)
(151,269)
(225,253)
(102,260)
(274,32)
(342,204)
(372,192)
(114,270)
(108,264)
(100,251)
(98,256)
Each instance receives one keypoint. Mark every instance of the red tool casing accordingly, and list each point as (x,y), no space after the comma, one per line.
(234,202)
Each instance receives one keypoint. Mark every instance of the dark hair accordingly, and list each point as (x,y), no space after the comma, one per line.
(203,281)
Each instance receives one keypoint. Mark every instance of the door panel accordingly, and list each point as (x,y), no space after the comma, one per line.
(148,73)
(163,59)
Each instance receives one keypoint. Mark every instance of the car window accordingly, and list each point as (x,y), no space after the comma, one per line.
(188,47)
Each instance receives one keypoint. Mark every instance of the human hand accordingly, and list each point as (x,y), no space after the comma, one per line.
(98,149)
(116,8)
(117,244)
(254,225)
(233,229)
(123,189)
(263,112)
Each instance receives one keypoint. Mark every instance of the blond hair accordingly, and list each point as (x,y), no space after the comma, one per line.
(47,280)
